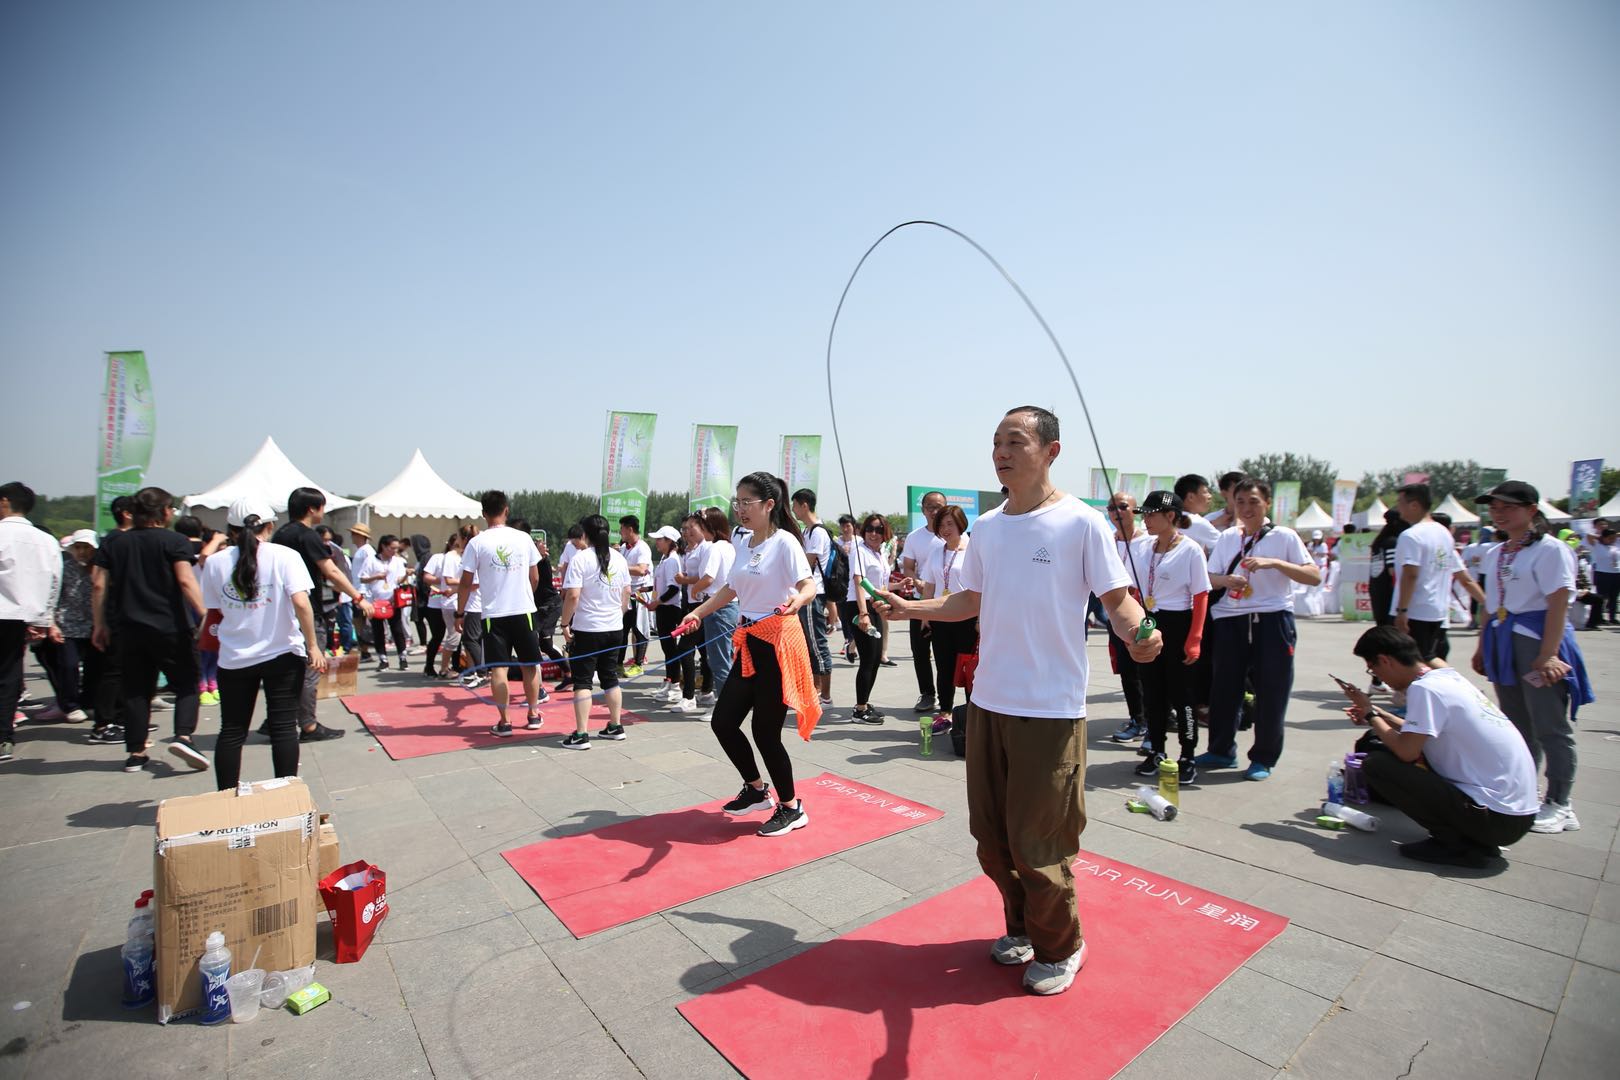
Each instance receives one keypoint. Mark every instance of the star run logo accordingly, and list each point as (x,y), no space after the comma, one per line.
(1042,556)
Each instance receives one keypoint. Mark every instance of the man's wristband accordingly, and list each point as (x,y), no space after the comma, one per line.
(1400,611)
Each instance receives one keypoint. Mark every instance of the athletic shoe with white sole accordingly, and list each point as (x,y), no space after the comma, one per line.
(577,741)
(77,716)
(1550,818)
(613,733)
(189,754)
(706,700)
(749,799)
(535,723)
(785,820)
(1043,978)
(502,730)
(136,763)
(686,705)
(108,735)
(1010,950)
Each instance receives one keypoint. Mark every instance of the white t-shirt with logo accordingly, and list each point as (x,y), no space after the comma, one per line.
(253,631)
(1605,557)
(767,575)
(1199,529)
(1429,547)
(1471,744)
(637,554)
(1172,578)
(1271,590)
(868,564)
(499,559)
(1034,573)
(720,557)
(601,595)
(818,542)
(435,567)
(944,569)
(1537,571)
(692,565)
(664,579)
(921,545)
(452,578)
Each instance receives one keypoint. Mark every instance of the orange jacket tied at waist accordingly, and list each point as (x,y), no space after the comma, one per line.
(785,635)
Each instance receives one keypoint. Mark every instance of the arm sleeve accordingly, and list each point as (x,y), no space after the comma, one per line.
(1195,636)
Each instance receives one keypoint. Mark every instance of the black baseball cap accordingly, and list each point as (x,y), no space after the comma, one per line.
(1159,501)
(1512,491)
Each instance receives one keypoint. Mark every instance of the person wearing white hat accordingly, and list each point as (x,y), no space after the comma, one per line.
(679,691)
(67,645)
(261,621)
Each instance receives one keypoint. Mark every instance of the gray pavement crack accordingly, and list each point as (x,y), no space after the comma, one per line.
(1410,1065)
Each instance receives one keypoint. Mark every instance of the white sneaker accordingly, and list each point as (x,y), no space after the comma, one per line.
(1571,822)
(188,754)
(687,705)
(1550,818)
(1011,950)
(77,716)
(666,693)
(705,701)
(1055,978)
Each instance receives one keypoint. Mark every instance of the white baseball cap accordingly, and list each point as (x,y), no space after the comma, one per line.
(664,532)
(82,536)
(243,509)
(1316,534)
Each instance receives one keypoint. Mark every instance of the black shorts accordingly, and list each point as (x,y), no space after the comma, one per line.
(1431,639)
(607,647)
(509,637)
(545,617)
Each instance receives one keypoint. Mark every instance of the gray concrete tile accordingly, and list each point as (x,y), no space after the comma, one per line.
(1472,956)
(588,1056)
(1186,1051)
(1353,1044)
(1310,961)
(649,964)
(438,905)
(1585,1040)
(743,925)
(1328,912)
(1606,904)
(910,864)
(428,970)
(664,1046)
(1259,1016)
(833,892)
(1551,887)
(1549,928)
(1600,945)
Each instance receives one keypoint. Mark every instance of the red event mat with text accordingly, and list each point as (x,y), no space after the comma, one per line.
(440,719)
(916,993)
(597,880)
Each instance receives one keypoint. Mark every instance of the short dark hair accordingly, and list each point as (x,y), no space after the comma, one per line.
(1443,519)
(1229,480)
(1046,422)
(1605,534)
(1418,493)
(150,503)
(806,497)
(1189,484)
(302,501)
(846,519)
(953,513)
(1253,483)
(521,524)
(189,525)
(576,531)
(878,519)
(630,520)
(385,539)
(1390,642)
(121,507)
(1349,528)
(494,502)
(324,532)
(925,495)
(19,495)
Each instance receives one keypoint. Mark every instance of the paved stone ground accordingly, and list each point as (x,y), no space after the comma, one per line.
(1388,969)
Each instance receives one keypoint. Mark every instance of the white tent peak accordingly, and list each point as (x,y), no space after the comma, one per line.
(1314,517)
(268,475)
(419,492)
(1551,512)
(1372,517)
(1610,509)
(1460,514)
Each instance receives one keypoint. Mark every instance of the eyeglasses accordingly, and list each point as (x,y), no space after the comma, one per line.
(738,504)
(1121,509)
(873,529)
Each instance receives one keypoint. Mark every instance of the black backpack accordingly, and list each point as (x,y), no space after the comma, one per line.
(835,571)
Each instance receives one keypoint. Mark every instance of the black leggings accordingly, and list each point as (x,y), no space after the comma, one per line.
(867,646)
(705,677)
(282,678)
(1168,690)
(950,640)
(435,637)
(143,654)
(761,694)
(679,659)
(394,622)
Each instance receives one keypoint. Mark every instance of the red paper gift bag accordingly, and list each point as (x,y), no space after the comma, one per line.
(356,899)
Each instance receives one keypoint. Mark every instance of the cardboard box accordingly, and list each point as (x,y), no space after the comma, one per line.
(342,678)
(330,860)
(243,862)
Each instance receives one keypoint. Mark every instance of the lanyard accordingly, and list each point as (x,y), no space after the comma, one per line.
(1503,566)
(1131,563)
(950,557)
(1153,562)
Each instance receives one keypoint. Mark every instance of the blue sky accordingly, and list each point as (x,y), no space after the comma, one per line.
(1371,232)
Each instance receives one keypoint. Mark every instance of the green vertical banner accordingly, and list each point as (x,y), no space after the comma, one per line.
(1134,484)
(1354,553)
(1489,478)
(1162,483)
(1285,502)
(714,450)
(627,465)
(1102,483)
(801,462)
(128,429)
(1585,477)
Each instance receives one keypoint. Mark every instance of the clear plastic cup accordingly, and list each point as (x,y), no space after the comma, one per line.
(244,988)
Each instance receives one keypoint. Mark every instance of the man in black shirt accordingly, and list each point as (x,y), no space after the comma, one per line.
(306,506)
(141,586)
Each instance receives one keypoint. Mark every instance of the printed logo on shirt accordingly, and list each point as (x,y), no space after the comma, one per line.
(228,588)
(504,557)
(758,557)
(1042,556)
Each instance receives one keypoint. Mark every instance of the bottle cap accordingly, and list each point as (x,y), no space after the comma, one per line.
(143,903)
(148,894)
(216,940)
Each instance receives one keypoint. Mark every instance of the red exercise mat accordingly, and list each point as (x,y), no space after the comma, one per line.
(440,719)
(916,993)
(597,880)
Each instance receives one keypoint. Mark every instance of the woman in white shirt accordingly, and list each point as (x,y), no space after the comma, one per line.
(940,575)
(258,594)
(866,560)
(380,575)
(680,669)
(693,586)
(596,594)
(722,620)
(1170,571)
(431,576)
(769,582)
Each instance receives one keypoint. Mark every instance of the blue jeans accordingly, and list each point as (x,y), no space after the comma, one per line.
(717,630)
(813,617)
(345,626)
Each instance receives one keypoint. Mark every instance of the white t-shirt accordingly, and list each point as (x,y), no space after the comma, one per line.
(253,631)
(637,554)
(692,565)
(1473,556)
(664,579)
(452,578)
(921,544)
(768,574)
(1536,571)
(944,569)
(868,564)
(1605,557)
(1429,547)
(435,567)
(500,558)
(1471,744)
(1270,589)
(1034,572)
(818,542)
(1199,529)
(1172,578)
(601,596)
(720,557)
(383,588)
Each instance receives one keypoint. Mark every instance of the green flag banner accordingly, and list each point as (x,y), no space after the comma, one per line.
(1285,502)
(1489,478)
(1102,484)
(801,462)
(627,465)
(128,429)
(1134,484)
(1162,483)
(1354,553)
(714,450)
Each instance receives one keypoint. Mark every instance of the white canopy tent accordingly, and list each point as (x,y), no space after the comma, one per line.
(1313,518)
(1372,517)
(417,501)
(1551,512)
(1610,509)
(267,475)
(1460,514)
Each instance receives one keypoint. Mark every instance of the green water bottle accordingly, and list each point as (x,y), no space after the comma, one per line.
(1170,781)
(926,726)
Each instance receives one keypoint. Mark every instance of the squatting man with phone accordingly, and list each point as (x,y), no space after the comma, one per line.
(1027,576)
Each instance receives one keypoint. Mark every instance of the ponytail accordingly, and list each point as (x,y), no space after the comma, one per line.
(767,486)
(596,535)
(246,574)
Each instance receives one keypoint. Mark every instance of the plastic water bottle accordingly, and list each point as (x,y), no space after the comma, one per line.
(1157,805)
(1335,781)
(1170,782)
(139,985)
(215,966)
(1356,819)
(926,726)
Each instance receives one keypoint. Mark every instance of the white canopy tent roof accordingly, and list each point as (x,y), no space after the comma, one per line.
(1460,514)
(1372,517)
(1551,512)
(417,501)
(1610,509)
(267,475)
(1314,517)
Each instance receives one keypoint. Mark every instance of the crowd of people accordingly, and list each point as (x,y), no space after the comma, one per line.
(1199,612)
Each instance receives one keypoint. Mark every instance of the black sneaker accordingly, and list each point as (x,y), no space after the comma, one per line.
(106,736)
(785,820)
(403,666)
(319,733)
(1149,766)
(136,763)
(1437,851)
(925,703)
(264,729)
(1188,771)
(188,754)
(545,696)
(535,723)
(749,799)
(5,751)
(613,733)
(869,716)
(382,665)
(577,741)
(502,730)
